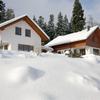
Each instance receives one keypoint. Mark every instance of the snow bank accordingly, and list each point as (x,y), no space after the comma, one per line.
(83,80)
(49,77)
(92,58)
(17,54)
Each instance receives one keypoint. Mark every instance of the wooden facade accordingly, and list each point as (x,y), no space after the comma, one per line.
(92,41)
(77,44)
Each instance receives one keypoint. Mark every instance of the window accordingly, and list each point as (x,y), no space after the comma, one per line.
(82,51)
(22,47)
(18,31)
(96,51)
(28,33)
(59,52)
(75,51)
(5,47)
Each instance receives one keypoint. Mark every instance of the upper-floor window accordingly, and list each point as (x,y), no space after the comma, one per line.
(27,33)
(18,31)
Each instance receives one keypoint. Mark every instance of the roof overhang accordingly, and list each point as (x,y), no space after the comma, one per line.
(31,23)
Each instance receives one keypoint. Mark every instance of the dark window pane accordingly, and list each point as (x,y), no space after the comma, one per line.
(6,47)
(96,51)
(18,31)
(28,33)
(82,51)
(22,47)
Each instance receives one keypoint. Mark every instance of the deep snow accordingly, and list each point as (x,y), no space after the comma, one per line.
(26,76)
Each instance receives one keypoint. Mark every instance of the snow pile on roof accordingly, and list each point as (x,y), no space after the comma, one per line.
(49,77)
(73,37)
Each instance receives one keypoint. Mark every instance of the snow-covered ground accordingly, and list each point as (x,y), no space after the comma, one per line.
(26,76)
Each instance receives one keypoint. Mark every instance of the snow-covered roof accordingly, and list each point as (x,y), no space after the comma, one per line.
(12,20)
(73,37)
(21,17)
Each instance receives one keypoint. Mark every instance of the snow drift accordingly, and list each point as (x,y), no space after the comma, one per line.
(48,77)
(23,74)
(85,81)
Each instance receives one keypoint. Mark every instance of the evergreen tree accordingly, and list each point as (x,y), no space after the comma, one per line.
(9,14)
(45,27)
(70,28)
(2,11)
(60,24)
(51,27)
(78,20)
(66,25)
(34,18)
(41,22)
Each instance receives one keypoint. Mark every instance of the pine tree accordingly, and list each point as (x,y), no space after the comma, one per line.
(70,28)
(45,27)
(51,27)
(60,28)
(2,11)
(41,22)
(78,20)
(66,25)
(34,18)
(9,14)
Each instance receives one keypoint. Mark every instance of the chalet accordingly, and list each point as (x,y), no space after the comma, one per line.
(22,34)
(83,42)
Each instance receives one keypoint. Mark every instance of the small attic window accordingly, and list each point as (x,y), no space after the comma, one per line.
(18,31)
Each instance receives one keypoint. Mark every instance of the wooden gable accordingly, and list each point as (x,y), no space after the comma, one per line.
(94,39)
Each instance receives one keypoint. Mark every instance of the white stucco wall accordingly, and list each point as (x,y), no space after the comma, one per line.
(8,35)
(89,50)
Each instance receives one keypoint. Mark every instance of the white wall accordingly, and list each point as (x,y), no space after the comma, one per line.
(89,50)
(9,36)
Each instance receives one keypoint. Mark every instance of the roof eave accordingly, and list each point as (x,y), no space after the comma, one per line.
(33,24)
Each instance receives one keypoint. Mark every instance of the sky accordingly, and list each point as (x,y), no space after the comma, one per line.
(46,7)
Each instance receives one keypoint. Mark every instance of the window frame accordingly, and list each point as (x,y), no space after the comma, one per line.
(18,30)
(24,47)
(27,33)
(83,51)
(96,51)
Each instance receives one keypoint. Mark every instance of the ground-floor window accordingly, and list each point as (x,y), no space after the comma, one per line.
(5,47)
(22,47)
(96,51)
(82,51)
